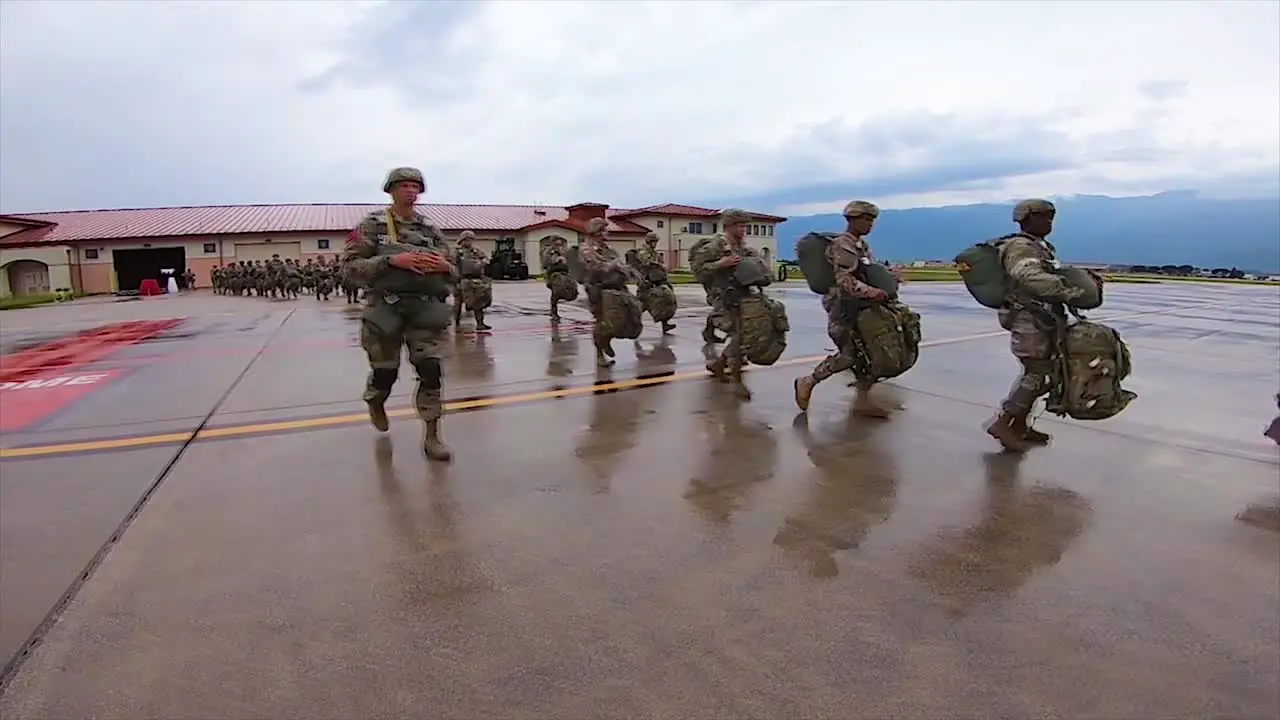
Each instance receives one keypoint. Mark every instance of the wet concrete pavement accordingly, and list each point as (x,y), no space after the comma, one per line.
(652,548)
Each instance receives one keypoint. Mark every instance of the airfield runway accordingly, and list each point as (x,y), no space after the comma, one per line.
(205,526)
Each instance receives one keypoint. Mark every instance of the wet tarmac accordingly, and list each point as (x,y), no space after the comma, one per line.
(636,543)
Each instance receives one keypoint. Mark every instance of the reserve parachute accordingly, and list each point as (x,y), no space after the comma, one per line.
(981,267)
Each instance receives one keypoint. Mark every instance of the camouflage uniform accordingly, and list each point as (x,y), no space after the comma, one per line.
(469,288)
(722,315)
(555,262)
(597,258)
(645,257)
(846,253)
(390,320)
(1032,315)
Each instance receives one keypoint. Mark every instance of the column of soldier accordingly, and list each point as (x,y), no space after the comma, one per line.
(405,263)
(283,279)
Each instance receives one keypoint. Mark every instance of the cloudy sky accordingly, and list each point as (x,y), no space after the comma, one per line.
(789,106)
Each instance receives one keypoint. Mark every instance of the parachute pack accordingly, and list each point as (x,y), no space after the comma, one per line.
(981,267)
(621,313)
(811,254)
(659,301)
(1092,360)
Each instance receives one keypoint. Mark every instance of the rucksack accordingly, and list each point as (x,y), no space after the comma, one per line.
(981,267)
(811,256)
(1092,361)
(887,338)
(764,329)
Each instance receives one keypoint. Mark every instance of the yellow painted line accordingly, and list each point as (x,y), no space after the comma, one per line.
(251,429)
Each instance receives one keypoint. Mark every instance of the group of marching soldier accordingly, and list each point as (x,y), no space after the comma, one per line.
(283,279)
(405,266)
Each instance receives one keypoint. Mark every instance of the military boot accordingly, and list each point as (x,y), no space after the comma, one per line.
(717,369)
(480,326)
(1028,433)
(1003,431)
(804,391)
(432,445)
(866,407)
(555,312)
(709,335)
(378,415)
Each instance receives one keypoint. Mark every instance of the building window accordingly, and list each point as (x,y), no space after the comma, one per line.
(695,228)
(91,254)
(714,227)
(323,243)
(770,231)
(659,223)
(210,248)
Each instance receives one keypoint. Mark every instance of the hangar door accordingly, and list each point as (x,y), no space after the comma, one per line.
(264,251)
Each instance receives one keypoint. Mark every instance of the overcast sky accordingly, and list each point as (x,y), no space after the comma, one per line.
(788,106)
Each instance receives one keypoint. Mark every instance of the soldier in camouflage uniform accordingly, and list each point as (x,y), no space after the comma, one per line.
(714,264)
(645,256)
(555,263)
(406,305)
(469,259)
(1032,314)
(846,253)
(598,258)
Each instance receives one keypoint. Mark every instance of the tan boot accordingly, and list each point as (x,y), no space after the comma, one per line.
(866,407)
(1028,433)
(432,445)
(1003,431)
(378,415)
(804,391)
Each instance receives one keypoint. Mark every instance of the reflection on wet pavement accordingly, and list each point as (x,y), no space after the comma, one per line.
(1020,531)
(643,544)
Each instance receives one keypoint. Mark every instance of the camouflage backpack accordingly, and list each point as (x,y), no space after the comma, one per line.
(764,329)
(1092,361)
(698,256)
(887,338)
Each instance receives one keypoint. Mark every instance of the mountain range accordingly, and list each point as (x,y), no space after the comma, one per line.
(1172,228)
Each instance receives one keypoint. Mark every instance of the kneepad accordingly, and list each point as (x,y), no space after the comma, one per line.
(384,378)
(429,372)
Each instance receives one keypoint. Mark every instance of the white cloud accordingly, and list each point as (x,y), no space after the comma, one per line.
(136,104)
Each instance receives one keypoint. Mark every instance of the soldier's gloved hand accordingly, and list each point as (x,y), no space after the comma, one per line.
(728,261)
(877,295)
(434,262)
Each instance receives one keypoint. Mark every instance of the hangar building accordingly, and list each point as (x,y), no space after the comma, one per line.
(105,251)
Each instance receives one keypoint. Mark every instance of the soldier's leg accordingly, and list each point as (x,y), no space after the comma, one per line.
(555,308)
(1033,347)
(425,348)
(837,362)
(383,352)
(709,334)
(480,324)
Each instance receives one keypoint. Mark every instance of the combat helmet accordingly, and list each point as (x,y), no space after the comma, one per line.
(404,174)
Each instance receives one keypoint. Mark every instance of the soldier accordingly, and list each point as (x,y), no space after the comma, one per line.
(555,263)
(646,257)
(1032,315)
(597,259)
(847,253)
(403,259)
(718,260)
(472,284)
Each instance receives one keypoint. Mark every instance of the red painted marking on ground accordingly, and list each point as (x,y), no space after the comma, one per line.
(79,350)
(25,402)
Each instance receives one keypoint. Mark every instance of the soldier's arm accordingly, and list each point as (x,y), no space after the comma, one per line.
(1029,272)
(592,259)
(360,256)
(847,278)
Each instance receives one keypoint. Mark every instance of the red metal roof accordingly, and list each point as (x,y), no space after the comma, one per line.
(686,211)
(33,231)
(88,225)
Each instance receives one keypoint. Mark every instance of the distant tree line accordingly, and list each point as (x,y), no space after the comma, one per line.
(1187,271)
